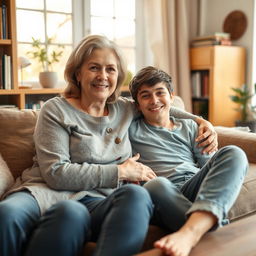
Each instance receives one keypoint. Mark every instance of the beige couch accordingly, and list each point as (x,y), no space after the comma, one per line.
(17,149)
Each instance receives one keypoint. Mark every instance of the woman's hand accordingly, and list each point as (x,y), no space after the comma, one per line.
(131,170)
(207,136)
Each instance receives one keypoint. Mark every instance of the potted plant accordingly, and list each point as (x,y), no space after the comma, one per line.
(47,78)
(248,112)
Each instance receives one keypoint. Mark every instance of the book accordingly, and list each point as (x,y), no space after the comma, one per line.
(211,42)
(1,74)
(205,84)
(8,73)
(4,22)
(195,84)
(1,23)
(3,71)
(216,36)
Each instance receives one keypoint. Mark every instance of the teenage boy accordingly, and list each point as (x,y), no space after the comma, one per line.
(196,190)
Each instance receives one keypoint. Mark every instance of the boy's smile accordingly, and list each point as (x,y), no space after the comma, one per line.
(155,102)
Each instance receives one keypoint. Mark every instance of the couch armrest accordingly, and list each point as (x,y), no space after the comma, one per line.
(244,140)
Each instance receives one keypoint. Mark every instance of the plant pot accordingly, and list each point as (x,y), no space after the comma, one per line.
(251,124)
(48,79)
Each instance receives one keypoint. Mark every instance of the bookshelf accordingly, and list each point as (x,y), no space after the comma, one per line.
(21,98)
(214,70)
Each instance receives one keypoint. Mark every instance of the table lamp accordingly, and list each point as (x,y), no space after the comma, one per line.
(23,62)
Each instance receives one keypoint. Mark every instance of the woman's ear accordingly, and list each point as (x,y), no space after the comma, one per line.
(78,75)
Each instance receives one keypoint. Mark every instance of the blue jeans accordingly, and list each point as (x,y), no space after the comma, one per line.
(214,189)
(120,221)
(62,230)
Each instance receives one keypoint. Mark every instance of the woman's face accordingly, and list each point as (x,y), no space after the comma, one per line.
(98,75)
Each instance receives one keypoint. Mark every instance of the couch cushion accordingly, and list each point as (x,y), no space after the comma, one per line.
(245,204)
(6,178)
(244,140)
(16,144)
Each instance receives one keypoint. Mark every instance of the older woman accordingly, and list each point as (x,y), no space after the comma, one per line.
(74,191)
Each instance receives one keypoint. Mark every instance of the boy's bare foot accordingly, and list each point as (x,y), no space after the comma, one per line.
(181,242)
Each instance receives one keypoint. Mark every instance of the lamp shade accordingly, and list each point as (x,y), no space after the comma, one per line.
(23,62)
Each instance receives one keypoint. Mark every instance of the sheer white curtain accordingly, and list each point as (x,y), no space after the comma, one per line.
(166,25)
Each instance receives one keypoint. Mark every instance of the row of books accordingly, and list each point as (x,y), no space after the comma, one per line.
(3,22)
(34,105)
(200,84)
(215,39)
(6,72)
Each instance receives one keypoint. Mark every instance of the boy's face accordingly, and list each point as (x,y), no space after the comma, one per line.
(155,102)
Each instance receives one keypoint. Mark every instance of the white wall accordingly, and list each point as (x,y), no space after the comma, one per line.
(213,13)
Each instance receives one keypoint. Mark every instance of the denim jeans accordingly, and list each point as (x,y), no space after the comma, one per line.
(62,230)
(120,222)
(214,189)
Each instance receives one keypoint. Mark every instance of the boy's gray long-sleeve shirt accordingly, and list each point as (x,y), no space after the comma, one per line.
(168,152)
(77,154)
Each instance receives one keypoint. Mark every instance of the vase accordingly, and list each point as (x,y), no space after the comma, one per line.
(48,79)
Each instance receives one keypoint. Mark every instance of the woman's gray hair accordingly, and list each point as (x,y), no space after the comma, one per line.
(80,54)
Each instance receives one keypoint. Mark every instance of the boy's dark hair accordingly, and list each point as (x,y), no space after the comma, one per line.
(149,76)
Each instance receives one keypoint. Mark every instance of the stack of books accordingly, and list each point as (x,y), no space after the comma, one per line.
(218,38)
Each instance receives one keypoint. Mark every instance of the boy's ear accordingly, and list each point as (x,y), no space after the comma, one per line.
(172,96)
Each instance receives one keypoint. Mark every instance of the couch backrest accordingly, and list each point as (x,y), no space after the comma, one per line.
(16,133)
(16,143)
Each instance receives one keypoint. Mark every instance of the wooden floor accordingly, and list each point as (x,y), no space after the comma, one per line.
(235,239)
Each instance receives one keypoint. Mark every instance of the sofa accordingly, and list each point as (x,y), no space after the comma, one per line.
(17,150)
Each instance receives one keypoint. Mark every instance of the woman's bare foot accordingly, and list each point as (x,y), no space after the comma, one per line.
(181,242)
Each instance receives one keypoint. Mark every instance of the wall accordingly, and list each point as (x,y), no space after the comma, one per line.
(211,19)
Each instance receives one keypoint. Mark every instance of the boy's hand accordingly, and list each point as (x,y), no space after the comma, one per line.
(207,136)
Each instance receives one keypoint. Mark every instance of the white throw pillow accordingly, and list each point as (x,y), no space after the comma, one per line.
(6,178)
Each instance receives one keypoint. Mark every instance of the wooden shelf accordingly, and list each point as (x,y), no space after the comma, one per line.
(5,42)
(225,66)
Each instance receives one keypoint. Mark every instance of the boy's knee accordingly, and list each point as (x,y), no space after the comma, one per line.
(237,159)
(236,154)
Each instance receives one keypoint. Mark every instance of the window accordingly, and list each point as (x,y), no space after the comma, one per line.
(116,20)
(67,21)
(43,20)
